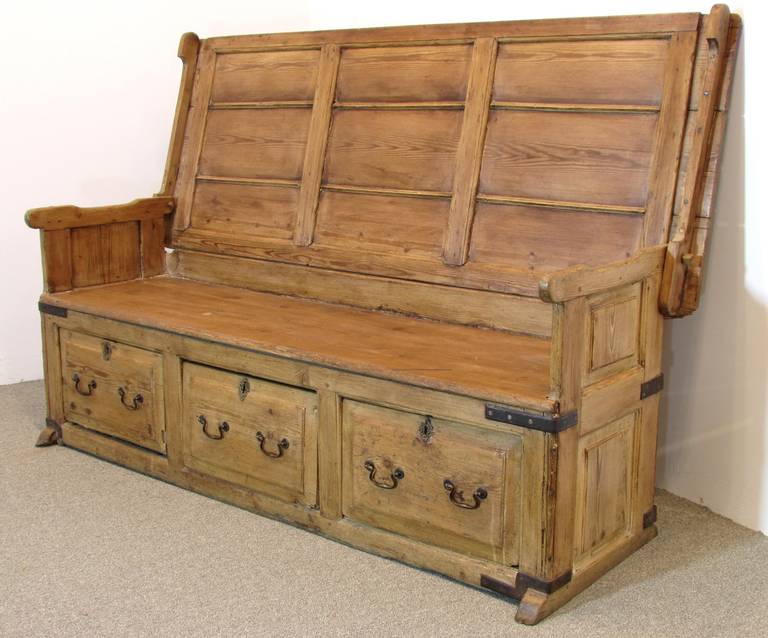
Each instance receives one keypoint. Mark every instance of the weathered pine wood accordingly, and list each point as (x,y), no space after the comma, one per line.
(429,353)
(444,303)
(189,46)
(469,153)
(675,266)
(317,139)
(61,217)
(410,299)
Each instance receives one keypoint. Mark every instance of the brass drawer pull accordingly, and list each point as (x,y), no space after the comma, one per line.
(282,445)
(457,497)
(396,476)
(137,402)
(91,385)
(223,427)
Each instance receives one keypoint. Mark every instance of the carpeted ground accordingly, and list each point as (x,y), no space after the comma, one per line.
(90,549)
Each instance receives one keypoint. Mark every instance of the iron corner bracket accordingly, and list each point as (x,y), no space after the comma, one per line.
(522,583)
(50,309)
(651,387)
(543,422)
(649,518)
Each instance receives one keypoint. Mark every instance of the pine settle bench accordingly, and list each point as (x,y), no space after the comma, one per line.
(404,287)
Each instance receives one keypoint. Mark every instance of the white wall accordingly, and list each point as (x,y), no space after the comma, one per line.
(88,95)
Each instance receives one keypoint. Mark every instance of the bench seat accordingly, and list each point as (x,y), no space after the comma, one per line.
(418,351)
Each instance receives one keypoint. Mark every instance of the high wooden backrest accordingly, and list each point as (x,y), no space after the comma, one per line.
(476,155)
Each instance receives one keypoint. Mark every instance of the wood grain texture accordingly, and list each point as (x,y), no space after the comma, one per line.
(600,158)
(373,343)
(568,27)
(544,239)
(317,140)
(56,249)
(678,267)
(605,475)
(580,280)
(404,74)
(152,233)
(120,395)
(189,47)
(105,254)
(265,76)
(362,262)
(245,209)
(624,72)
(444,303)
(668,138)
(401,226)
(278,412)
(68,216)
(248,143)
(418,504)
(469,153)
(393,149)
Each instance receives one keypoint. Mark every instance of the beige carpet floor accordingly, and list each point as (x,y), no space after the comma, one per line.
(90,549)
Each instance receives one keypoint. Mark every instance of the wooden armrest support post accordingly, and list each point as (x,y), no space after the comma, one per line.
(580,281)
(104,244)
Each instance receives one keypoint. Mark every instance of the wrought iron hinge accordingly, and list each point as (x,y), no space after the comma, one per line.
(542,422)
(651,387)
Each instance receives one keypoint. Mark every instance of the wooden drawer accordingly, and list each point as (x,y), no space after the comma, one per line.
(439,481)
(113,388)
(256,433)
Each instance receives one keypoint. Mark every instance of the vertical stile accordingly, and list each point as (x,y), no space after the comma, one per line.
(470,152)
(317,141)
(668,141)
(57,259)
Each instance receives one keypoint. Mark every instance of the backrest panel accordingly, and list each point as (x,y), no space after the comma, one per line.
(404,74)
(589,158)
(265,76)
(626,72)
(479,155)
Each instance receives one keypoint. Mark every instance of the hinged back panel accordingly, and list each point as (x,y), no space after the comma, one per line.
(478,155)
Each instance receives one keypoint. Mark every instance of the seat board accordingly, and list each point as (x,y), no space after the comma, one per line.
(497,366)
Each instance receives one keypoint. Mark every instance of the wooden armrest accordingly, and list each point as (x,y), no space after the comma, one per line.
(68,216)
(580,281)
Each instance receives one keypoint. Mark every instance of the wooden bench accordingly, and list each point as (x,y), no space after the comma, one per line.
(404,287)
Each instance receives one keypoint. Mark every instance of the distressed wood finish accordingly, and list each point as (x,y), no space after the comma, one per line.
(409,294)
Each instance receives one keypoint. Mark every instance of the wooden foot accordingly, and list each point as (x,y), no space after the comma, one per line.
(535,605)
(50,435)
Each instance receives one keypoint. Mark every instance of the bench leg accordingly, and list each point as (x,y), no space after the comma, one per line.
(50,435)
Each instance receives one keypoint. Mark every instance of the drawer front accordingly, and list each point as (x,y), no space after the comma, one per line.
(113,388)
(256,433)
(440,481)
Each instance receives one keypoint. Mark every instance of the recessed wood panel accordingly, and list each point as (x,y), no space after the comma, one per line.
(614,331)
(261,143)
(605,484)
(265,76)
(593,72)
(404,74)
(393,149)
(398,225)
(543,239)
(105,254)
(245,209)
(596,158)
